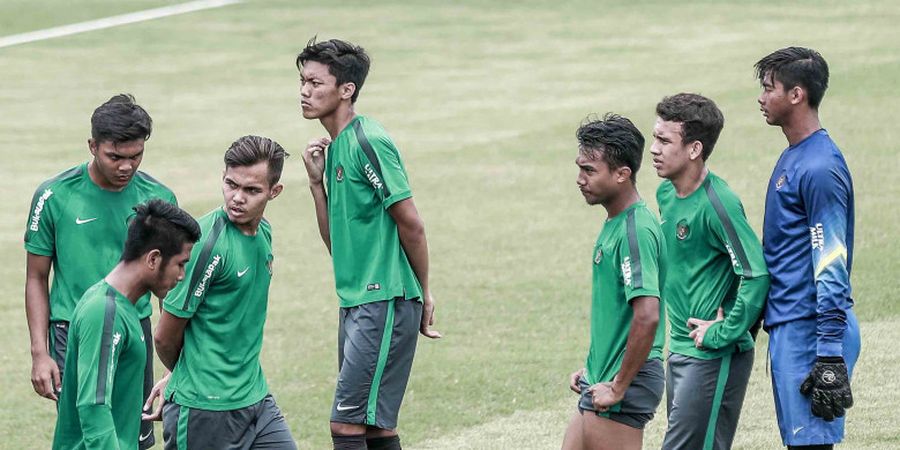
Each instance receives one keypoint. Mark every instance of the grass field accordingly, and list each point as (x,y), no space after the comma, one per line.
(483,99)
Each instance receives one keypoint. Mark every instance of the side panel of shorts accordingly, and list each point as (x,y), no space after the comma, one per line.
(641,398)
(377,343)
(792,347)
(147,439)
(704,400)
(260,425)
(59,338)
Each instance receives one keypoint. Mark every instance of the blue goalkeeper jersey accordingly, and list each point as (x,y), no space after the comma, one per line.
(808,239)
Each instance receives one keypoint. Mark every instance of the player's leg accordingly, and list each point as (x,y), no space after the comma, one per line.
(146,438)
(733,399)
(600,433)
(271,430)
(692,390)
(573,439)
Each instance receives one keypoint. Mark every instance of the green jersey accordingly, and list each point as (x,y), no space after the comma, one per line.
(83,228)
(629,261)
(364,177)
(720,264)
(102,394)
(225,297)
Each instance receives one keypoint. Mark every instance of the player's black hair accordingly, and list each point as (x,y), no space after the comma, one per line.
(796,66)
(159,225)
(700,118)
(120,119)
(347,62)
(613,137)
(249,150)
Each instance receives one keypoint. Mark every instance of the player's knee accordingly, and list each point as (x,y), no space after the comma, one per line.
(347,429)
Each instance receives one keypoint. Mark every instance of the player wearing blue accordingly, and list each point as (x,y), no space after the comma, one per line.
(808,244)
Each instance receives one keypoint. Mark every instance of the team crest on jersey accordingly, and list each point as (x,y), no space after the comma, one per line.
(780,182)
(270,262)
(598,256)
(339,173)
(682,230)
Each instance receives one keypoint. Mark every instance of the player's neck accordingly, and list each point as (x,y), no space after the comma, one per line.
(801,126)
(628,197)
(690,179)
(127,280)
(100,181)
(336,122)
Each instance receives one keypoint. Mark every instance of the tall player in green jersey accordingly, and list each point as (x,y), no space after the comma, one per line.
(77,226)
(369,222)
(716,292)
(100,404)
(210,333)
(622,381)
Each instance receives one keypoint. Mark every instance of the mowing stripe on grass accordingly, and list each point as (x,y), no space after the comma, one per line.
(114,21)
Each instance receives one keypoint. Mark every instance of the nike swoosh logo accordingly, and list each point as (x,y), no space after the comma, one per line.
(662,222)
(797,430)
(346,408)
(78,221)
(145,437)
(241,273)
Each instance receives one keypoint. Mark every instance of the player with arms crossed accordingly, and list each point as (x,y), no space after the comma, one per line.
(77,226)
(808,243)
(622,381)
(716,292)
(99,406)
(369,222)
(211,330)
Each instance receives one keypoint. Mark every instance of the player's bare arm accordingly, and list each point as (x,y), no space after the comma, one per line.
(169,339)
(637,347)
(411,229)
(44,371)
(699,327)
(574,379)
(314,160)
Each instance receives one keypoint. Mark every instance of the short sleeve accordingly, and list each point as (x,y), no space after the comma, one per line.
(640,260)
(382,167)
(203,270)
(40,229)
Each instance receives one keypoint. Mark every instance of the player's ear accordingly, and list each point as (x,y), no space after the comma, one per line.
(93,146)
(696,150)
(623,174)
(275,191)
(797,95)
(347,90)
(153,259)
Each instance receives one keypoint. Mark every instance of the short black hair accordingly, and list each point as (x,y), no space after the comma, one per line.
(120,119)
(347,62)
(700,118)
(796,66)
(615,138)
(159,225)
(249,150)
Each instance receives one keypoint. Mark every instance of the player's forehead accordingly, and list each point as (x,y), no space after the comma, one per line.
(317,70)
(666,128)
(255,175)
(127,148)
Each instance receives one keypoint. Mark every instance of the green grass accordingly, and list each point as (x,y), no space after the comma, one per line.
(483,100)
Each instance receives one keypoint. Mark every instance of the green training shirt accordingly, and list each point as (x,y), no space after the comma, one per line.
(629,261)
(83,229)
(225,295)
(102,387)
(720,263)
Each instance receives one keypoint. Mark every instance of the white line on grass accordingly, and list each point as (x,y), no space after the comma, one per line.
(113,21)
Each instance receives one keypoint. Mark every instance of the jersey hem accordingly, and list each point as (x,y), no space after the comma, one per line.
(219,406)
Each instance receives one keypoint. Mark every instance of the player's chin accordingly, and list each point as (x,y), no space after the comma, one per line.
(308,113)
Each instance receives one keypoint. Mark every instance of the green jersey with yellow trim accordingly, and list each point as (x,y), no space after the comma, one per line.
(629,262)
(720,264)
(225,298)
(102,396)
(364,177)
(83,228)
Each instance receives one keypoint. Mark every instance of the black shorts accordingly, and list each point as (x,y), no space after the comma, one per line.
(260,425)
(641,398)
(59,338)
(376,345)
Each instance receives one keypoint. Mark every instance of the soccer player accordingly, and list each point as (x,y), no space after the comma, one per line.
(77,225)
(808,244)
(99,406)
(369,223)
(717,290)
(622,381)
(211,330)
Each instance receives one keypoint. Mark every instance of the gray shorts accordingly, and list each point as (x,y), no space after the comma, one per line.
(258,426)
(376,345)
(641,398)
(59,338)
(704,399)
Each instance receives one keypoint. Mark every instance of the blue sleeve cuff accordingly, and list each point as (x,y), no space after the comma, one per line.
(829,349)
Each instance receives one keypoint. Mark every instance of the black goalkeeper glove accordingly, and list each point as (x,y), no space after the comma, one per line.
(828,387)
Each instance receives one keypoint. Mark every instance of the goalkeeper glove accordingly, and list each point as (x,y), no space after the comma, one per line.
(828,387)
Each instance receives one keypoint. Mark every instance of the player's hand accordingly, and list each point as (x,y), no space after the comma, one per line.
(45,376)
(158,391)
(428,318)
(828,387)
(574,379)
(603,396)
(700,326)
(314,159)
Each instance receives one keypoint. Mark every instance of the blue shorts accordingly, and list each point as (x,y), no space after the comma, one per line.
(792,346)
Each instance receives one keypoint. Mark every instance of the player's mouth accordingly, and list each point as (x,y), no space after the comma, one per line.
(305,105)
(236,211)
(657,163)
